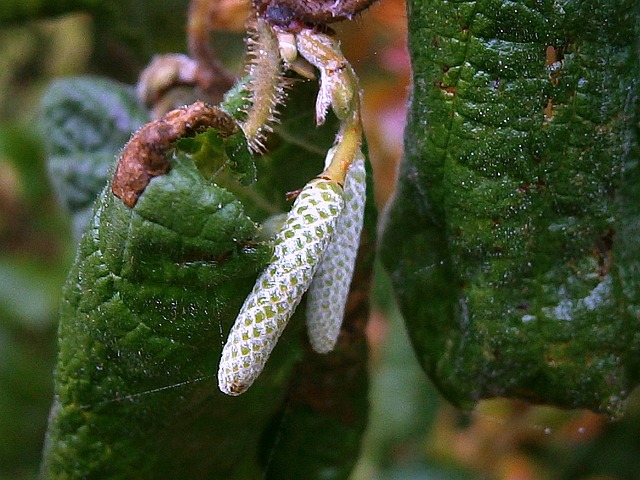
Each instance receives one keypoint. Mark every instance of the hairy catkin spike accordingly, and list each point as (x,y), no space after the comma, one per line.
(327,295)
(299,246)
(267,85)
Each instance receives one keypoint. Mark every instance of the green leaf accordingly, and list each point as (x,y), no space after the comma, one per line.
(86,121)
(140,321)
(518,272)
(147,305)
(231,151)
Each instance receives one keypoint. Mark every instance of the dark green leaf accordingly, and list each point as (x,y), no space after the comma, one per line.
(517,274)
(242,163)
(140,331)
(231,152)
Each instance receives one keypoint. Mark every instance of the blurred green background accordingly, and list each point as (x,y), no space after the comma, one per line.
(412,433)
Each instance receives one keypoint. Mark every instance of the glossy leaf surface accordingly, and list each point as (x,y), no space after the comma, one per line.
(515,272)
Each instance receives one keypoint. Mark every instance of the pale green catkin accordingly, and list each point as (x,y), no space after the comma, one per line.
(298,249)
(329,290)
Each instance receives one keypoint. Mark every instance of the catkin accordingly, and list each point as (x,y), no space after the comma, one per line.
(267,85)
(327,295)
(298,249)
